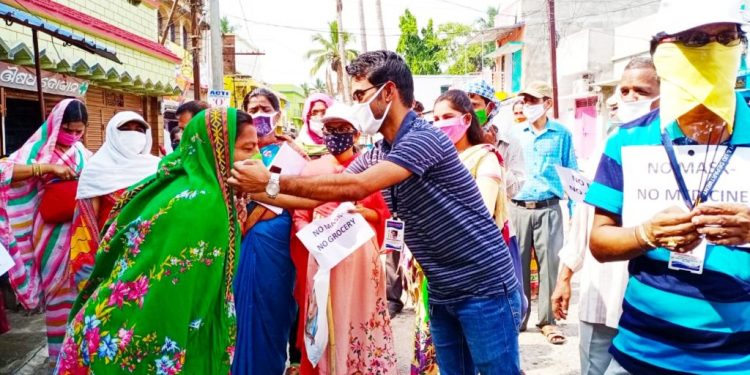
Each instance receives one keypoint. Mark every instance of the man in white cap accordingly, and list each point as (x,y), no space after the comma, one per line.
(687,302)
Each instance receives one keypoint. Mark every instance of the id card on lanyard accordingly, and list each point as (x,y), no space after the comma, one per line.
(394,228)
(693,260)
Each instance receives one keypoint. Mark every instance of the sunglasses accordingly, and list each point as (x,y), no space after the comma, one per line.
(698,38)
(359,95)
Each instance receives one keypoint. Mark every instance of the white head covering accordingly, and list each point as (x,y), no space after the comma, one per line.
(676,16)
(342,112)
(115,166)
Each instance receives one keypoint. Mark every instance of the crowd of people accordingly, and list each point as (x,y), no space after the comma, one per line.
(195,262)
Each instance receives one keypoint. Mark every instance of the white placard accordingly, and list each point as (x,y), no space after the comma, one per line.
(219,98)
(6,262)
(576,185)
(650,186)
(331,239)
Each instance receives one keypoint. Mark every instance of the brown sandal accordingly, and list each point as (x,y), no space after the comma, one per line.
(553,335)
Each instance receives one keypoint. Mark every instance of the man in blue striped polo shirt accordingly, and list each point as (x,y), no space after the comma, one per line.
(684,229)
(474,298)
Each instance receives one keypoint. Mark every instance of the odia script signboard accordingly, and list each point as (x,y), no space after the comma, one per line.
(22,78)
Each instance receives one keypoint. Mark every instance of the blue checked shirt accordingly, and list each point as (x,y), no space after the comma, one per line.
(542,151)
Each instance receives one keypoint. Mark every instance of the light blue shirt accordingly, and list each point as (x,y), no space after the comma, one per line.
(542,151)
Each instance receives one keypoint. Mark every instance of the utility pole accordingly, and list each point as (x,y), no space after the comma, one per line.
(195,9)
(169,22)
(362,25)
(381,26)
(217,47)
(342,53)
(553,55)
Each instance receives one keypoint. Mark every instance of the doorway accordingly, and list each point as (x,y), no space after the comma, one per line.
(21,121)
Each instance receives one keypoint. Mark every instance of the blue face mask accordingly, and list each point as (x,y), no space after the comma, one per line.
(337,144)
(263,123)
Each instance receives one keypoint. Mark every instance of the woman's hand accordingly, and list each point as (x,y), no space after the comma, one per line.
(725,224)
(60,171)
(673,229)
(369,214)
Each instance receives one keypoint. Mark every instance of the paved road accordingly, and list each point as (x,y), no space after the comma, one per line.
(22,350)
(538,357)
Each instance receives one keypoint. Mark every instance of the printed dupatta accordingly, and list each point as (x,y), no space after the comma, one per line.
(160,298)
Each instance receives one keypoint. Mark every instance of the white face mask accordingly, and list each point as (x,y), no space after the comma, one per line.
(364,116)
(316,126)
(133,141)
(534,112)
(629,111)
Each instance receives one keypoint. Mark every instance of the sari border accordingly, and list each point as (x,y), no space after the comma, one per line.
(217,125)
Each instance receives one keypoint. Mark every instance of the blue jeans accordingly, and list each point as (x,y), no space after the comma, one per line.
(478,335)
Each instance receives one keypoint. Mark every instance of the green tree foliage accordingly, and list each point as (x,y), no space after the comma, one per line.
(326,52)
(467,58)
(489,22)
(319,85)
(226,26)
(424,50)
(463,58)
(306,89)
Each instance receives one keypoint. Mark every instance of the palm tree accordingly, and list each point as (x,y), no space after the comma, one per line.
(327,53)
(489,22)
(320,86)
(381,27)
(362,25)
(226,27)
(306,89)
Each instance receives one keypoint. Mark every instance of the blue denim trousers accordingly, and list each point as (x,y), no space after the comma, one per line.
(478,335)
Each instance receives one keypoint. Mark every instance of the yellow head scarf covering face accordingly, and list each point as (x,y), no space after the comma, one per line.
(691,76)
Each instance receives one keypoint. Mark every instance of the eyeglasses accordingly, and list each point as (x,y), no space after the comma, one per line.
(698,38)
(358,95)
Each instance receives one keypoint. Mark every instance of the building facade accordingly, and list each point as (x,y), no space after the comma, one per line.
(586,54)
(145,76)
(295,101)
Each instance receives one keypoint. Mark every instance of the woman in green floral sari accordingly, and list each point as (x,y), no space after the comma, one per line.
(160,299)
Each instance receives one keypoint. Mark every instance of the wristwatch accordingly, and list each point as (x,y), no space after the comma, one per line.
(273,188)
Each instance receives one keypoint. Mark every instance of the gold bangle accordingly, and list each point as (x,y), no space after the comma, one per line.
(644,237)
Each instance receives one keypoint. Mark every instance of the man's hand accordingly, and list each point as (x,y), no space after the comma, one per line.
(249,176)
(723,224)
(561,296)
(673,230)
